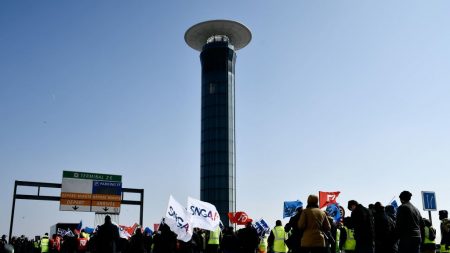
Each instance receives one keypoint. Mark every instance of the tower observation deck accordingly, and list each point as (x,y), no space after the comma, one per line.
(218,41)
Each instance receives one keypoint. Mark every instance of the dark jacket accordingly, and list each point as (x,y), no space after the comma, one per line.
(107,238)
(137,243)
(409,221)
(363,224)
(248,239)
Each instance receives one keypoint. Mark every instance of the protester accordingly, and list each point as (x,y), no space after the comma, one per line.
(230,242)
(445,231)
(314,225)
(382,228)
(45,243)
(409,223)
(362,221)
(213,241)
(277,239)
(107,237)
(263,244)
(164,240)
(294,240)
(3,243)
(55,244)
(137,242)
(248,239)
(391,236)
(197,241)
(347,242)
(148,240)
(429,235)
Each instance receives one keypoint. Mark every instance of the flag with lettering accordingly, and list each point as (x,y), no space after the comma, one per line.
(327,198)
(239,218)
(261,227)
(178,219)
(203,214)
(290,208)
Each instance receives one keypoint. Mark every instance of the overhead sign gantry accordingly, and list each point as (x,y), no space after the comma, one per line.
(90,192)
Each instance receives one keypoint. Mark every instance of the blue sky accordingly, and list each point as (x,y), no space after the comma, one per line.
(347,96)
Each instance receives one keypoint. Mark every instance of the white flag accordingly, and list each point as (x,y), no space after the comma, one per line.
(178,219)
(203,214)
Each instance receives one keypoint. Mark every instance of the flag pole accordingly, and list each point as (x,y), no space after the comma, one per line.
(392,200)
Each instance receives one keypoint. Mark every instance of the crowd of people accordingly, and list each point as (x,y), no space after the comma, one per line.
(372,229)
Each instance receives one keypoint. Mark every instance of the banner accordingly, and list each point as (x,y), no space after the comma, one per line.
(327,198)
(203,214)
(290,208)
(239,218)
(178,219)
(334,211)
(62,232)
(261,227)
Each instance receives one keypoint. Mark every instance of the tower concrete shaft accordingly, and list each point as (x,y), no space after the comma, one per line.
(218,40)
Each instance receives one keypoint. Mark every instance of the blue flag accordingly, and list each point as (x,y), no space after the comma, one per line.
(333,210)
(290,208)
(394,204)
(261,227)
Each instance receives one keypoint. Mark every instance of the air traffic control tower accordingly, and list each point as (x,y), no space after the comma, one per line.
(218,41)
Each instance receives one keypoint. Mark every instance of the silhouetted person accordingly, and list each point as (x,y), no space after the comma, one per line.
(409,223)
(294,240)
(445,231)
(362,221)
(107,237)
(148,240)
(248,238)
(3,243)
(137,242)
(392,240)
(229,243)
(165,240)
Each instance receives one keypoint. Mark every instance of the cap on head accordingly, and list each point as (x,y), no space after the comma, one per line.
(405,195)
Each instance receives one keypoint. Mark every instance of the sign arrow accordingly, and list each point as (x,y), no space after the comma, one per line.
(105,209)
(75,207)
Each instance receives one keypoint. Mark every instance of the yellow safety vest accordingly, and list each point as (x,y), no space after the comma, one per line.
(279,237)
(350,242)
(427,236)
(338,235)
(44,244)
(263,244)
(214,236)
(444,249)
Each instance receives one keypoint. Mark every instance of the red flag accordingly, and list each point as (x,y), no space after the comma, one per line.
(327,198)
(240,218)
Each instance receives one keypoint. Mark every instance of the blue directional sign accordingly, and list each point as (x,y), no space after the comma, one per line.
(429,201)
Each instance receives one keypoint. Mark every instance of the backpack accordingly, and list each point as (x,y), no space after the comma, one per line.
(431,233)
